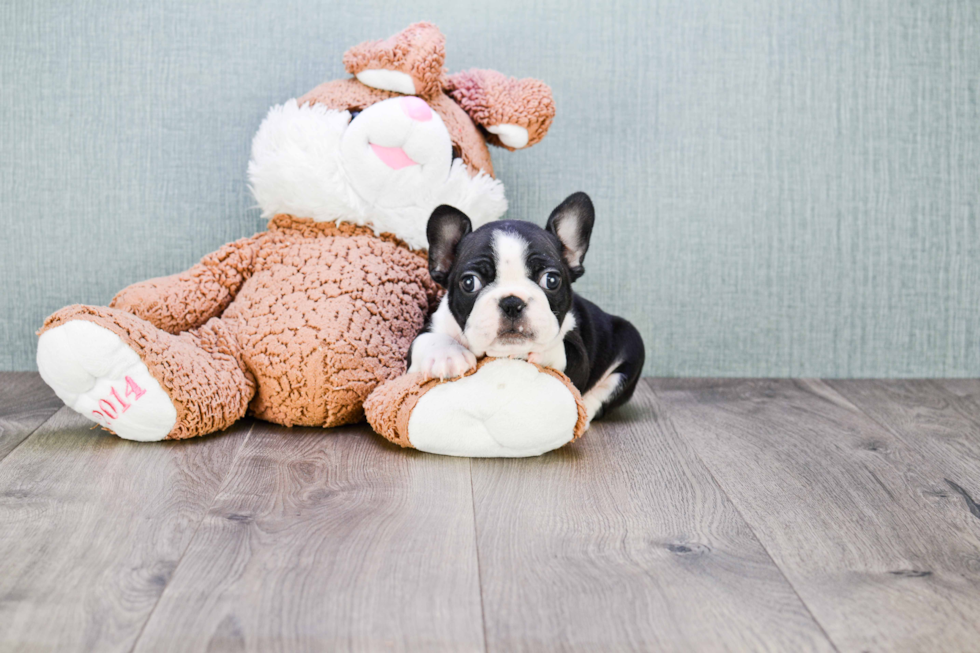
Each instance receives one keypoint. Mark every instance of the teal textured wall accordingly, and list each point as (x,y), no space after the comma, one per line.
(783,187)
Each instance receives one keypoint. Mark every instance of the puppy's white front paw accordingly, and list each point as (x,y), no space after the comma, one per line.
(438,356)
(448,363)
(96,374)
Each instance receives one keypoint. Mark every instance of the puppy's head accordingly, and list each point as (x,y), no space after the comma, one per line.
(509,282)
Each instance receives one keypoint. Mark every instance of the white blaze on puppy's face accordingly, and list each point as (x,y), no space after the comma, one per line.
(487,330)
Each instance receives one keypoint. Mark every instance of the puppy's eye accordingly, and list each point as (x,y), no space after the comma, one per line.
(550,280)
(470,284)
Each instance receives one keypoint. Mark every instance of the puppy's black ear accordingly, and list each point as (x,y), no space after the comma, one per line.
(447,226)
(572,222)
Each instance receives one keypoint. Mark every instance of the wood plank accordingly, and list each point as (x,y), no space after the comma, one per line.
(939,418)
(843,506)
(623,541)
(92,528)
(325,541)
(25,403)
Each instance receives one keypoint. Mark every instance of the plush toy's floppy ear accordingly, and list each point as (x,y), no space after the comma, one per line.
(409,62)
(515,112)
(572,222)
(447,226)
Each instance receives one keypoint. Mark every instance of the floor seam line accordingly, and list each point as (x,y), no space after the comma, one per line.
(190,541)
(479,570)
(895,433)
(31,434)
(864,413)
(748,524)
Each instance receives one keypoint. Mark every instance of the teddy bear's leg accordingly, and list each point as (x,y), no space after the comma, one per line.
(503,408)
(140,382)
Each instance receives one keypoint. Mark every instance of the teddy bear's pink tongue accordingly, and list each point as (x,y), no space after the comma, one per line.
(393,157)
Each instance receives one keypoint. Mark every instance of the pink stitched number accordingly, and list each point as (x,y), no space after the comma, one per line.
(124,405)
(107,408)
(133,389)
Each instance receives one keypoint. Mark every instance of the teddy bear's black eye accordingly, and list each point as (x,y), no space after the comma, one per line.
(457,154)
(550,280)
(470,284)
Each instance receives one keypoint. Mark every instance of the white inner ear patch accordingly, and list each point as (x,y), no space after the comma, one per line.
(511,135)
(568,234)
(388,80)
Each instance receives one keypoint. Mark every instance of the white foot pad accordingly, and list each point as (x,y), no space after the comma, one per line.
(96,374)
(507,409)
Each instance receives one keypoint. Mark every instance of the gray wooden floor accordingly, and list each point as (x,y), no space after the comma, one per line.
(707,515)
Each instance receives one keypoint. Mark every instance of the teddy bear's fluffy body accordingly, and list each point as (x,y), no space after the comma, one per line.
(298,323)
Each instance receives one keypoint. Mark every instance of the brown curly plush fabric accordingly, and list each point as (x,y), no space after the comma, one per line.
(492,98)
(297,324)
(418,51)
(187,300)
(463,100)
(389,408)
(345,95)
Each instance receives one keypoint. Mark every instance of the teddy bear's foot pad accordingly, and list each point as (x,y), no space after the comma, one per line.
(97,375)
(506,409)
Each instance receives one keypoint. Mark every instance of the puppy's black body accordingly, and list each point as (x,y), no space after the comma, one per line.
(509,293)
(599,340)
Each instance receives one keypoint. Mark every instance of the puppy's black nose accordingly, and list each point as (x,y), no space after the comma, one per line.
(512,306)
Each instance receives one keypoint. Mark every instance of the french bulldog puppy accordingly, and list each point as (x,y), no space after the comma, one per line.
(509,295)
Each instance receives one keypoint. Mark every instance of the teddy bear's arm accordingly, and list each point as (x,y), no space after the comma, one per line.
(189,299)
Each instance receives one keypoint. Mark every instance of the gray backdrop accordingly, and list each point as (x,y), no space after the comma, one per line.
(783,187)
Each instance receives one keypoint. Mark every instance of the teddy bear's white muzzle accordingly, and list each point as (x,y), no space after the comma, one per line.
(395,149)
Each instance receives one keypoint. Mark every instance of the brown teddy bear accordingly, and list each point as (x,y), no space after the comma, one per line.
(298,324)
